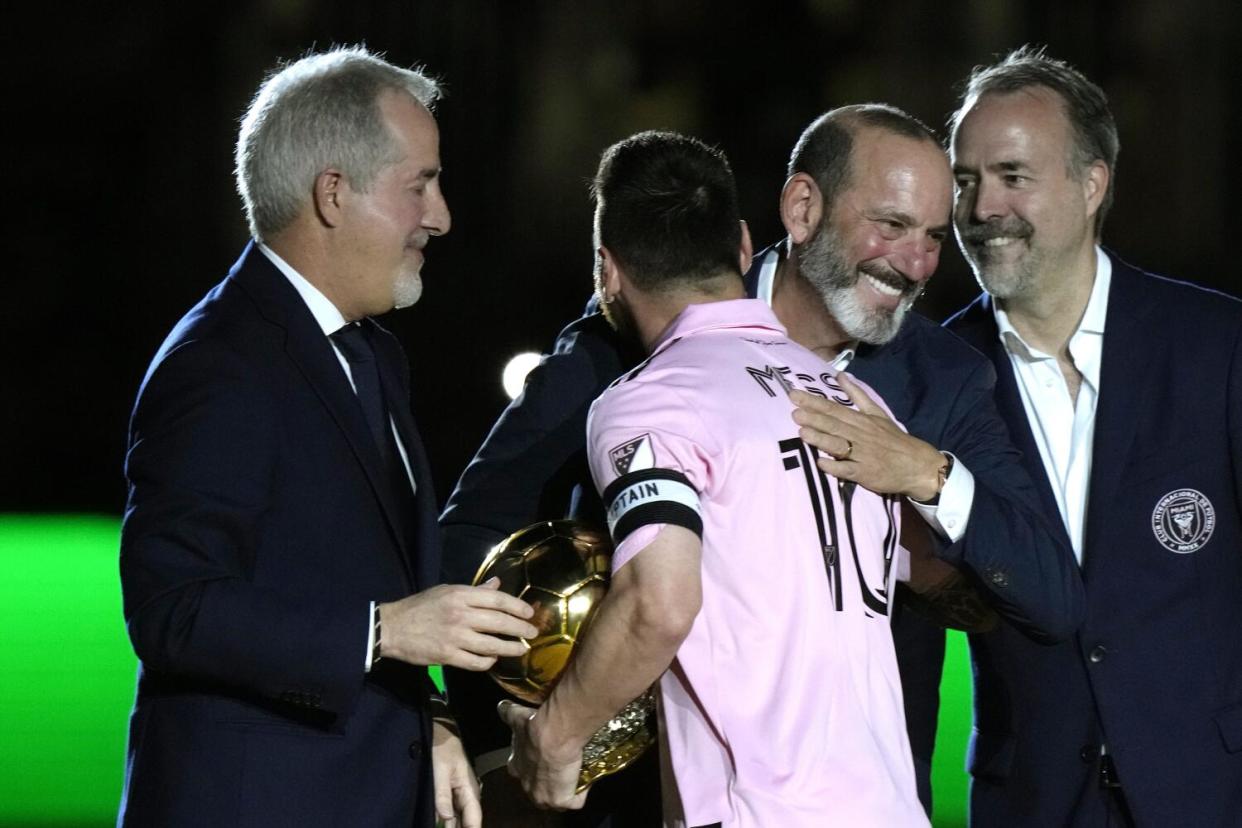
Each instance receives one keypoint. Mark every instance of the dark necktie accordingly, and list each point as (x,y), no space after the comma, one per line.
(354,340)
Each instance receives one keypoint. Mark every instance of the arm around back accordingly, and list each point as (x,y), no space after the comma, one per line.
(530,467)
(534,456)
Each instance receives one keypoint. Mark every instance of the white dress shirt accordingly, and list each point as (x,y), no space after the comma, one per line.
(1064,429)
(950,514)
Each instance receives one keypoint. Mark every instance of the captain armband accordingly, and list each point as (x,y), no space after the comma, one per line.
(650,496)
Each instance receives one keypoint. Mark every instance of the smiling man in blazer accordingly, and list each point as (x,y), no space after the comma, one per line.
(279,556)
(1124,391)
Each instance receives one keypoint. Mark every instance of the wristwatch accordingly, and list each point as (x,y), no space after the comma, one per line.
(942,476)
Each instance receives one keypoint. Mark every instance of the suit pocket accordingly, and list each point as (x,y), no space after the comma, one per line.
(1229,723)
(990,755)
(252,718)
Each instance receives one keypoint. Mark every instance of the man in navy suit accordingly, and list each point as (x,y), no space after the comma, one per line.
(866,207)
(1124,391)
(279,556)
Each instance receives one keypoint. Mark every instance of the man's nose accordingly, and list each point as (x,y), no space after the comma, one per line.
(917,259)
(436,219)
(988,202)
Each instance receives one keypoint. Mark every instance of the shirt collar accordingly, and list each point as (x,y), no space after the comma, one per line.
(1009,336)
(326,314)
(1087,344)
(767,274)
(1097,305)
(728,313)
(1093,316)
(763,291)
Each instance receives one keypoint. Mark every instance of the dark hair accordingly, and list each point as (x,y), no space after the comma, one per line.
(1086,108)
(824,148)
(667,209)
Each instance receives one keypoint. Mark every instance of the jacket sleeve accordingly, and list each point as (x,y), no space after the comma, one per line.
(1019,556)
(201,467)
(531,467)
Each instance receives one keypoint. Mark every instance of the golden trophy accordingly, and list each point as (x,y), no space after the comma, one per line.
(561,568)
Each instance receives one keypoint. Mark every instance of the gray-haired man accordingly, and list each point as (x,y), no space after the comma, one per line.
(279,557)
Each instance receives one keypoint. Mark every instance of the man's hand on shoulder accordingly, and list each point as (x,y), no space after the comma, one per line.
(460,626)
(865,445)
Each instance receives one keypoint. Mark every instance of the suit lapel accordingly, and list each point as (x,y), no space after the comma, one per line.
(312,353)
(1122,366)
(1013,411)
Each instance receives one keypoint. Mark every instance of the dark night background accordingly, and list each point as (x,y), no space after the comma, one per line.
(121,118)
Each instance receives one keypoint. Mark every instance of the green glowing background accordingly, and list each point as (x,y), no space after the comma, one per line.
(67,679)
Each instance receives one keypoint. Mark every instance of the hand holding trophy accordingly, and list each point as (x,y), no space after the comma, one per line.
(561,568)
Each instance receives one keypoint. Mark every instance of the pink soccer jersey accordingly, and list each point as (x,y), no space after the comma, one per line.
(783,706)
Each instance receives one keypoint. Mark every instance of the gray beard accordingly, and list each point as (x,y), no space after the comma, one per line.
(1008,281)
(834,280)
(1013,281)
(407,290)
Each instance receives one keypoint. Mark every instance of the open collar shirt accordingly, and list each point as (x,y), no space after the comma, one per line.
(1064,428)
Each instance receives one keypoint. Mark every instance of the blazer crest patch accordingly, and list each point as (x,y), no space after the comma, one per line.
(1183,521)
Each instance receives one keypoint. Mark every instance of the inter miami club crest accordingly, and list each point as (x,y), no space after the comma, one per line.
(1183,521)
(632,456)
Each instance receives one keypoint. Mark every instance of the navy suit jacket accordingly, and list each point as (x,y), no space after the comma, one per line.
(934,383)
(1156,670)
(257,531)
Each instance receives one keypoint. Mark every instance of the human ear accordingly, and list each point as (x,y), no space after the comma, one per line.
(610,276)
(746,251)
(329,195)
(802,207)
(1095,185)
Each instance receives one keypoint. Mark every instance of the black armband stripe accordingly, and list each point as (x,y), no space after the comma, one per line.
(651,496)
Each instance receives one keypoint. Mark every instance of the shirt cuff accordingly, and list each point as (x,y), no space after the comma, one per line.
(951,513)
(371,630)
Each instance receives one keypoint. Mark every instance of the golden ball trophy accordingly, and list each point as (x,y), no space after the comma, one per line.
(562,568)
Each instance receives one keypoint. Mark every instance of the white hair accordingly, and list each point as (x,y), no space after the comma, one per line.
(318,112)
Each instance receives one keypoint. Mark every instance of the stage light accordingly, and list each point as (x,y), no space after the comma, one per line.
(514,376)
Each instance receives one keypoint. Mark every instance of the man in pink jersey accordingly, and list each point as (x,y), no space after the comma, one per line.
(750,584)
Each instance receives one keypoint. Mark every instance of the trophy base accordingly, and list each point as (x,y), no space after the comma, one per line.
(620,741)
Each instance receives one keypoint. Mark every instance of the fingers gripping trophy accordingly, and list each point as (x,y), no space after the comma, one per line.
(561,568)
